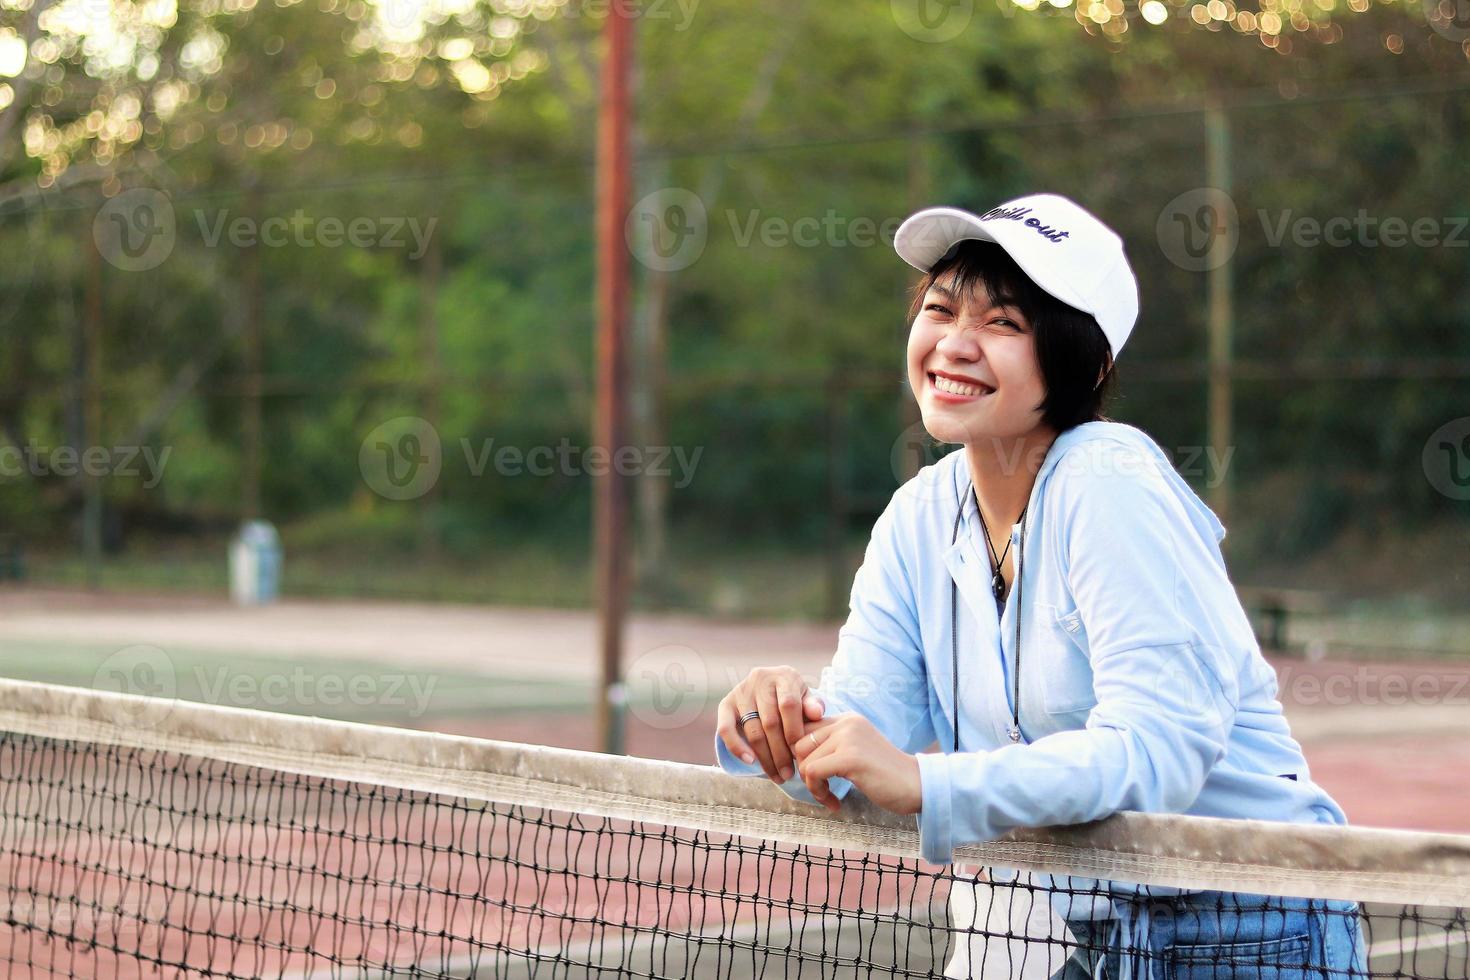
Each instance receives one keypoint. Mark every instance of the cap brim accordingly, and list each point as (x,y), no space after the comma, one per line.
(925,237)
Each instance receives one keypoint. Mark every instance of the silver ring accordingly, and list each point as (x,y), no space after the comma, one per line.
(813,737)
(748,716)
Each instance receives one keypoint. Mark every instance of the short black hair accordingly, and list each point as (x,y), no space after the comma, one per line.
(1071,348)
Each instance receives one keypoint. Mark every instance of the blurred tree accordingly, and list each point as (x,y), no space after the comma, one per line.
(805,132)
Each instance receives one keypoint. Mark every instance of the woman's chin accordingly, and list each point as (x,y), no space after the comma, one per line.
(949,427)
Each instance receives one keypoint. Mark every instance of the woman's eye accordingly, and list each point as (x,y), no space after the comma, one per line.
(938,307)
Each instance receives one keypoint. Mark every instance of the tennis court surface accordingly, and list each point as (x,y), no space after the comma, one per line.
(154,837)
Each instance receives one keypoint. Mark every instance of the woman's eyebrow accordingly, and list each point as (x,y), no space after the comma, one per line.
(1000,305)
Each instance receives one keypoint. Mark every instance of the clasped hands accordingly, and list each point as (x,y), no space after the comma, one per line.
(792,731)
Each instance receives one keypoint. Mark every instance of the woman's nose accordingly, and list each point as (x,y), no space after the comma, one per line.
(955,343)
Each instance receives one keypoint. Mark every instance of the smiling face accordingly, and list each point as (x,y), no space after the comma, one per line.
(973,366)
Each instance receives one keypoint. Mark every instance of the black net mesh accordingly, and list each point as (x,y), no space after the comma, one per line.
(124,862)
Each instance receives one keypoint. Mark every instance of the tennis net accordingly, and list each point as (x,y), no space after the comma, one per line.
(145,837)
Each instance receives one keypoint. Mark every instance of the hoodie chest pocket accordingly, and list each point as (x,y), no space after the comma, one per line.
(1066,672)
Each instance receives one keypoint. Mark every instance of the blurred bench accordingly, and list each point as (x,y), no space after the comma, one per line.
(12,561)
(1271,608)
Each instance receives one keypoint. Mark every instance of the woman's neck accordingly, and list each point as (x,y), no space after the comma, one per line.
(1004,471)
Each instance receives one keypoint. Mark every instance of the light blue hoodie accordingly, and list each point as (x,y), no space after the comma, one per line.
(1142,685)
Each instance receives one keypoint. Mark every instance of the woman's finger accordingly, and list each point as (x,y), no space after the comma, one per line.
(814,773)
(805,745)
(814,707)
(791,691)
(754,733)
(768,703)
(729,731)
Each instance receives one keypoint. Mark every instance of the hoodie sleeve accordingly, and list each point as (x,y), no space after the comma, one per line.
(878,669)
(1146,587)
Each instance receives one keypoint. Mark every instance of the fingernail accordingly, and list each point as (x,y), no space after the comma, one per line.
(785,773)
(748,758)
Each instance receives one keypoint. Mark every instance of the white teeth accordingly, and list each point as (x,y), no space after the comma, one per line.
(956,387)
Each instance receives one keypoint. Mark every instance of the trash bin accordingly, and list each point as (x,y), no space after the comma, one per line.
(255,564)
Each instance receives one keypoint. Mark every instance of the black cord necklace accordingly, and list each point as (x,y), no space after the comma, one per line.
(997,587)
(997,582)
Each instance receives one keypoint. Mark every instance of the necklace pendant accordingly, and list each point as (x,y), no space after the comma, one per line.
(998,585)
(1013,733)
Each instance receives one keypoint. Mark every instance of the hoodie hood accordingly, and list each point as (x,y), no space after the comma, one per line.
(1091,437)
(1097,436)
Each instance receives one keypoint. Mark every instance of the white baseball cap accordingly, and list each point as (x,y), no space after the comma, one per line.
(1064,248)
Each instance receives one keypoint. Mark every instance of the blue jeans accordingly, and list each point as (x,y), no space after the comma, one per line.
(1221,936)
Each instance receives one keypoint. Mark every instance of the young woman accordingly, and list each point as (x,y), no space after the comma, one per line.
(1051,604)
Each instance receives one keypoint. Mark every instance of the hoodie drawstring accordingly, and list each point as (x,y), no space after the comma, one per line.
(1129,935)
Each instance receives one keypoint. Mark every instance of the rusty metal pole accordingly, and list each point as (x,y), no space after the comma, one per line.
(92,485)
(252,419)
(1221,317)
(614,185)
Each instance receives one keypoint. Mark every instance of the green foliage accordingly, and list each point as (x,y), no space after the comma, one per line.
(774,115)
